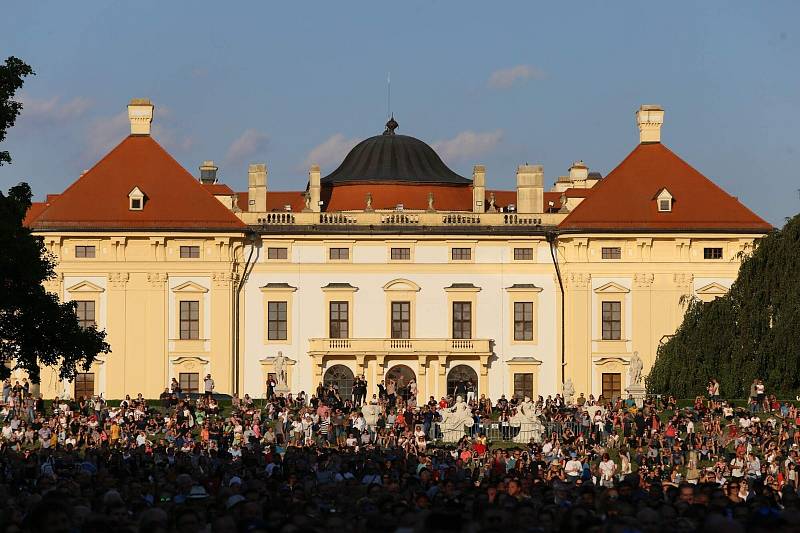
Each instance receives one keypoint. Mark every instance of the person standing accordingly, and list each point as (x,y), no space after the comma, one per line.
(208,385)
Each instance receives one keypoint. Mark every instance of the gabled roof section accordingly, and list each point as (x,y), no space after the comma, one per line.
(624,200)
(99,198)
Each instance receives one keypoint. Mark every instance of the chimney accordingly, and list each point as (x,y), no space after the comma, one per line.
(208,173)
(578,171)
(140,115)
(649,118)
(314,188)
(530,189)
(478,189)
(257,188)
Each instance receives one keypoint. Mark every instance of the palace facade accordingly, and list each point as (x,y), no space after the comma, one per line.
(391,266)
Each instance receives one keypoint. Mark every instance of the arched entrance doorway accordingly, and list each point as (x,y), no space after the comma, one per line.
(342,377)
(462,378)
(401,375)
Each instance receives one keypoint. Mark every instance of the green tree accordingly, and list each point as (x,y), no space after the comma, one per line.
(35,328)
(12,75)
(751,332)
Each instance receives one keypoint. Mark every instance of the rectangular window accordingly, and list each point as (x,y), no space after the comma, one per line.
(523,321)
(277,322)
(85,252)
(612,385)
(523,385)
(665,205)
(523,254)
(401,320)
(190,320)
(611,253)
(339,320)
(461,254)
(339,254)
(462,320)
(84,385)
(401,254)
(190,252)
(612,321)
(712,253)
(85,312)
(189,382)
(277,253)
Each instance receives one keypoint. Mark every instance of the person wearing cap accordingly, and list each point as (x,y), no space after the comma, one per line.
(573,467)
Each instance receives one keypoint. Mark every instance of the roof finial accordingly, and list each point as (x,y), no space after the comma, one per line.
(391,125)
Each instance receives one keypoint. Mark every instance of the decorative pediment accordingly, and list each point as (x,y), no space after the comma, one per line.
(402,285)
(189,286)
(85,286)
(342,287)
(611,288)
(713,289)
(523,361)
(524,287)
(190,359)
(462,287)
(610,360)
(277,287)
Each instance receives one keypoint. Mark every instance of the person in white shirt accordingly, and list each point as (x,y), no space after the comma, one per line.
(573,468)
(608,469)
(208,386)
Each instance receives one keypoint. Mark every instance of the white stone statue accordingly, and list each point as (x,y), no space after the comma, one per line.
(371,412)
(635,370)
(527,420)
(454,420)
(280,371)
(569,392)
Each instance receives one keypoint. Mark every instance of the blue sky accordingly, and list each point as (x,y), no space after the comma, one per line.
(497,83)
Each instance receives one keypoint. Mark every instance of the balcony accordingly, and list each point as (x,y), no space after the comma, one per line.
(389,219)
(400,346)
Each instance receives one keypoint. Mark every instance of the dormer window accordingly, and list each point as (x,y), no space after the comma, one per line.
(664,201)
(136,199)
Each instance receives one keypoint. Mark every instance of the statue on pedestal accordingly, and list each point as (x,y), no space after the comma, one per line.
(454,420)
(635,370)
(281,376)
(527,420)
(569,392)
(371,411)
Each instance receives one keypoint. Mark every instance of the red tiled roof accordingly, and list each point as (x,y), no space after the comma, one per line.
(218,189)
(35,210)
(174,199)
(625,198)
(344,197)
(573,192)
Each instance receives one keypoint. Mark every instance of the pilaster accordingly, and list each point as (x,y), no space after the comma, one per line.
(643,315)
(579,318)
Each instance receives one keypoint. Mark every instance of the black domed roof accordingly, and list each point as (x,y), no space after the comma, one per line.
(395,159)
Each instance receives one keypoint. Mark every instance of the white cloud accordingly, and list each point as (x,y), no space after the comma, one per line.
(52,110)
(467,144)
(105,133)
(247,145)
(331,152)
(506,77)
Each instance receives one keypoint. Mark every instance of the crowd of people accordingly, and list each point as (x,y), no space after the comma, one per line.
(375,462)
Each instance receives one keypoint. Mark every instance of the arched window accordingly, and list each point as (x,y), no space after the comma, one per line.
(401,375)
(342,377)
(461,375)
